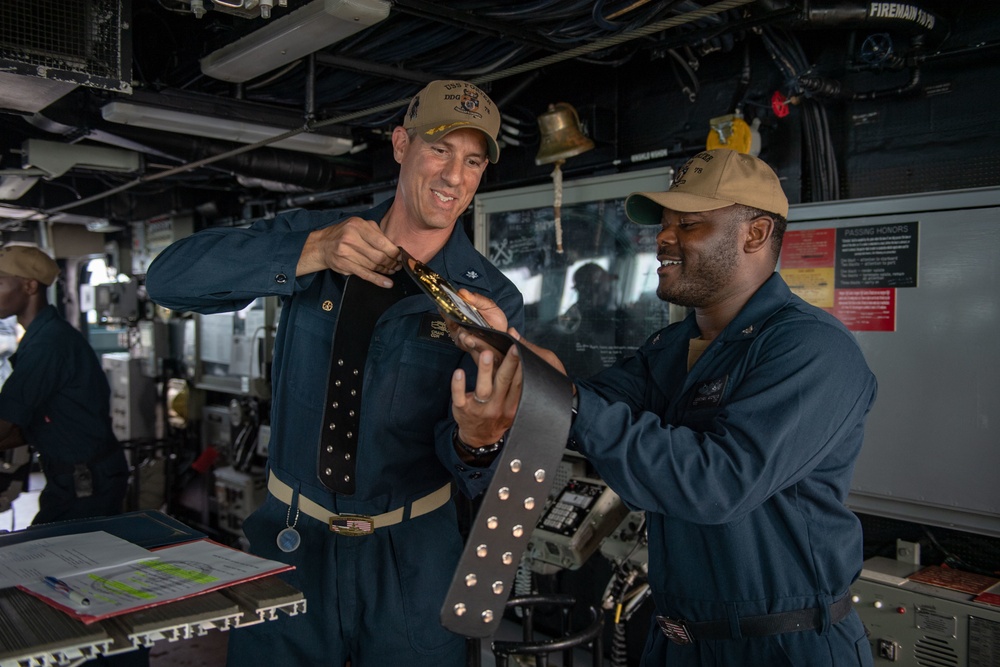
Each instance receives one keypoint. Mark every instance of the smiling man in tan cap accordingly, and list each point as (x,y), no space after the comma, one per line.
(57,398)
(736,431)
(445,106)
(363,454)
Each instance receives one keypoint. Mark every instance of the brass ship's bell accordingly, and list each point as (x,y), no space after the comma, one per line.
(562,137)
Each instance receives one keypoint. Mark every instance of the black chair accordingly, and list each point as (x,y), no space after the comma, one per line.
(565,642)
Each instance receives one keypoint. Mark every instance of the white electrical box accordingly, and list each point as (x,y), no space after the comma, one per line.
(237,495)
(914,624)
(133,397)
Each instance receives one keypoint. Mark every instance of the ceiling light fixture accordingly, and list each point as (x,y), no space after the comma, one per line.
(54,158)
(295,35)
(183,122)
(51,159)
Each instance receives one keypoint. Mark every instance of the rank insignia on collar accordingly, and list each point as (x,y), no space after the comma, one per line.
(747,331)
(471,274)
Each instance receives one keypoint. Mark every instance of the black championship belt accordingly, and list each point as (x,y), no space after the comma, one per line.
(515,499)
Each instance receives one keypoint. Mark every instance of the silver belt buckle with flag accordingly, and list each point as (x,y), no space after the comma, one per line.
(352,525)
(675,629)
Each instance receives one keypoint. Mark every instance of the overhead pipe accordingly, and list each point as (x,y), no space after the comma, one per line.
(906,17)
(832,88)
(265,163)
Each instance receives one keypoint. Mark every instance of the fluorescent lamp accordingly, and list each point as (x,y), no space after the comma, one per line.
(15,213)
(295,35)
(211,127)
(102,226)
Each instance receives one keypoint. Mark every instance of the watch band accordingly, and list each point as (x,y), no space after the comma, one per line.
(476,452)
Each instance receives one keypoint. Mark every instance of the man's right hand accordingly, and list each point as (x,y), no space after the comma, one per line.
(353,247)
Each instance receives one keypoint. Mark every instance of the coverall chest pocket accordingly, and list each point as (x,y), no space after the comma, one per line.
(308,342)
(422,394)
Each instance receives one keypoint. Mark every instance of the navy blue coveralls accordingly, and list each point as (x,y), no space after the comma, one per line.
(742,465)
(375,599)
(59,395)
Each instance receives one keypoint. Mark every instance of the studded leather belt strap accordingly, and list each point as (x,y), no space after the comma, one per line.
(515,498)
(419,507)
(360,307)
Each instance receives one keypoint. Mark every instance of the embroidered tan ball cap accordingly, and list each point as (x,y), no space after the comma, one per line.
(27,261)
(445,106)
(711,180)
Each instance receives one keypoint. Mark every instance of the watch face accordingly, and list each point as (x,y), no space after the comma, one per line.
(444,294)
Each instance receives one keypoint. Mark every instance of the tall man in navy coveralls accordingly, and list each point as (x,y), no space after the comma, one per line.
(375,598)
(57,398)
(736,431)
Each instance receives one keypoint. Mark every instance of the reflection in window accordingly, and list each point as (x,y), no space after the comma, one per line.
(530,285)
(594,303)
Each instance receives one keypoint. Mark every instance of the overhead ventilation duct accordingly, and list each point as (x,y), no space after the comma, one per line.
(77,117)
(267,164)
(295,35)
(87,42)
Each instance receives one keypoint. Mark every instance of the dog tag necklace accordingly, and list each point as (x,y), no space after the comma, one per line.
(289,538)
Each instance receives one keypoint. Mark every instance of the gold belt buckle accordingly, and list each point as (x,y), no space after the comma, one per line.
(352,525)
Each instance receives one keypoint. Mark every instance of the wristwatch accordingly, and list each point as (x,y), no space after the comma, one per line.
(476,452)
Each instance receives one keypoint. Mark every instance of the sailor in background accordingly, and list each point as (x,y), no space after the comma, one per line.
(57,398)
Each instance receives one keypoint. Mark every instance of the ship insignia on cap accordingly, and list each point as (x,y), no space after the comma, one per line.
(469,104)
(681,173)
